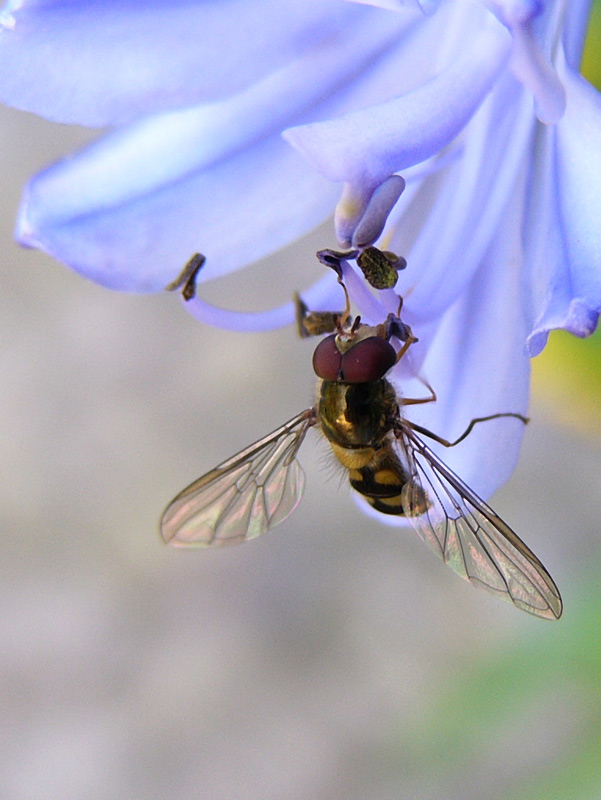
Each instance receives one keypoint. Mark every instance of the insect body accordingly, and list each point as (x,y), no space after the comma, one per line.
(356,420)
(358,409)
(388,463)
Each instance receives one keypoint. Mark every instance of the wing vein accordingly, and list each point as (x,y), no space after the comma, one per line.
(469,536)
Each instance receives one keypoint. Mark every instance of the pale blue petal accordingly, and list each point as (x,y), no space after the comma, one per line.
(563,238)
(403,6)
(106,63)
(162,148)
(235,212)
(477,365)
(467,202)
(99,192)
(579,162)
(378,209)
(534,70)
(575,25)
(365,147)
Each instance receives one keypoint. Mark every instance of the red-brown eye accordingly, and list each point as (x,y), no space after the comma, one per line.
(327,359)
(368,360)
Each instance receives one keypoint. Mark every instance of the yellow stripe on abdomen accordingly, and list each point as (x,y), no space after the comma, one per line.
(353,458)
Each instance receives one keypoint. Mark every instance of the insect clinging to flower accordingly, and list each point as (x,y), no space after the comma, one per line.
(360,413)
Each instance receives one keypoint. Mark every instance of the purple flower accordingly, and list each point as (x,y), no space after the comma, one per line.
(477,102)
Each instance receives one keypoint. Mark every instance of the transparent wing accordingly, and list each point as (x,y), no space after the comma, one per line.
(469,536)
(254,490)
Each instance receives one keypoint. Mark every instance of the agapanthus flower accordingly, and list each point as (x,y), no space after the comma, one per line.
(478,103)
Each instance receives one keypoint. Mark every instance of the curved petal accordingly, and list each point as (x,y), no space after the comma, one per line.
(479,367)
(425,6)
(235,212)
(477,362)
(107,63)
(579,164)
(372,221)
(562,240)
(161,148)
(575,25)
(365,147)
(98,193)
(533,70)
(445,221)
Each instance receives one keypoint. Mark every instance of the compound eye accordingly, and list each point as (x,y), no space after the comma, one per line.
(369,360)
(327,359)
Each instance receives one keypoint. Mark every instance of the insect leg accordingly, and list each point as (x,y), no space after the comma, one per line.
(414,401)
(411,339)
(314,323)
(466,432)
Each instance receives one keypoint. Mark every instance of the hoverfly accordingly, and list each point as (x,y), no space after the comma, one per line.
(388,463)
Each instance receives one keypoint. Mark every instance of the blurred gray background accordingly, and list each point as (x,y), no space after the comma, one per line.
(330,659)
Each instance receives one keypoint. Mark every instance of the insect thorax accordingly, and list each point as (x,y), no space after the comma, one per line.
(357,419)
(357,415)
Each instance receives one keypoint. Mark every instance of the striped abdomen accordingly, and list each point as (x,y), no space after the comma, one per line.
(377,474)
(356,419)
